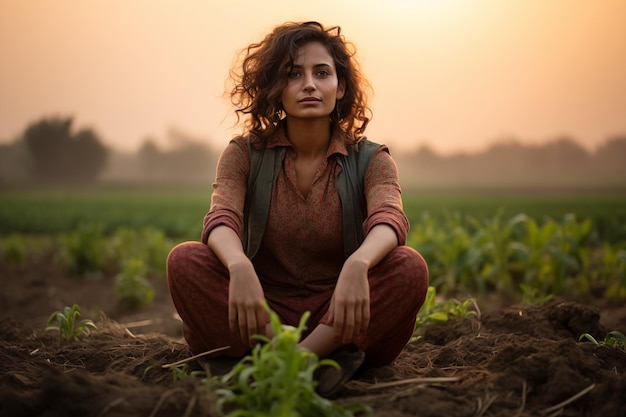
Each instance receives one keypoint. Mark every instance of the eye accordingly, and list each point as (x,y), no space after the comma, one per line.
(294,74)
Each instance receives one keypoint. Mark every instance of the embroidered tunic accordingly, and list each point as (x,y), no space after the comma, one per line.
(302,248)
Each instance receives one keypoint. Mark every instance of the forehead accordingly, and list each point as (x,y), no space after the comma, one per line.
(312,54)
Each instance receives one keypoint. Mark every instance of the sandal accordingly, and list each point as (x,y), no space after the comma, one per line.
(332,380)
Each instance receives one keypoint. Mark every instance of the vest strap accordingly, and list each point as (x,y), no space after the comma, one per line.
(265,165)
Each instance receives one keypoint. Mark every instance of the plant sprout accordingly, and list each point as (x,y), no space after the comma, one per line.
(65,322)
(614,339)
(276,379)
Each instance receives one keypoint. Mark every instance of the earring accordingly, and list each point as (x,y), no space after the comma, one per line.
(279,114)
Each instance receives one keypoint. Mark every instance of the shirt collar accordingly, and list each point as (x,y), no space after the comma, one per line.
(337,141)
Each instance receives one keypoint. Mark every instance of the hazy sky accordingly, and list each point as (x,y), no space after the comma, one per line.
(454,74)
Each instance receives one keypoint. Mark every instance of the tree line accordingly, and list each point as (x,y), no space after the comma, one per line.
(560,163)
(51,151)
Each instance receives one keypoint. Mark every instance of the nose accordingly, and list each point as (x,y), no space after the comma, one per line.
(309,83)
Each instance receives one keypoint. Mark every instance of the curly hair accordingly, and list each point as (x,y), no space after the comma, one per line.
(263,74)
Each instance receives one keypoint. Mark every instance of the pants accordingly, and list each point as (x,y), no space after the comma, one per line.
(199,283)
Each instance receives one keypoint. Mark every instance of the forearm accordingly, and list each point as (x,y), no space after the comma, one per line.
(380,240)
(226,245)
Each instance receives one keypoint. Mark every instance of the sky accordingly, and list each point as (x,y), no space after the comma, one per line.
(455,75)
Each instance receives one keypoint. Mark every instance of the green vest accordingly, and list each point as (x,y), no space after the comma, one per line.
(265,164)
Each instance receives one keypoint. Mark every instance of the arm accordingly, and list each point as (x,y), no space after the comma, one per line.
(223,225)
(246,314)
(386,227)
(350,305)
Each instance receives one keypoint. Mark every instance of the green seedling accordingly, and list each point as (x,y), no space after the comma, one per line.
(532,295)
(148,244)
(614,339)
(277,379)
(15,250)
(132,287)
(84,249)
(182,371)
(439,312)
(65,322)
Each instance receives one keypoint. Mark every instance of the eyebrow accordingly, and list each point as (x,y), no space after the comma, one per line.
(314,66)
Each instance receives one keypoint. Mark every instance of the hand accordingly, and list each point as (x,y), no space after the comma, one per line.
(246,314)
(349,311)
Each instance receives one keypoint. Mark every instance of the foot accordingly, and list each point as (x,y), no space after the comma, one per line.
(332,380)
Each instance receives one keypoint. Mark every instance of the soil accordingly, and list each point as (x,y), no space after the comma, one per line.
(511,360)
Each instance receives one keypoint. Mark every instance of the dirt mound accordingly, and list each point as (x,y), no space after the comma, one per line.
(515,361)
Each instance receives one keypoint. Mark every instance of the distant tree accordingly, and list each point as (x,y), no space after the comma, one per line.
(610,157)
(188,159)
(150,159)
(60,156)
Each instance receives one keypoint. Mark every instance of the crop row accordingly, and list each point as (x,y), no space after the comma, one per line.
(179,212)
(516,256)
(520,256)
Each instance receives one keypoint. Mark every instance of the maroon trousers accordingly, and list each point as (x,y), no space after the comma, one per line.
(199,283)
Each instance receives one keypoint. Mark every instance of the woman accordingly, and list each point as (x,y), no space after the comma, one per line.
(305,214)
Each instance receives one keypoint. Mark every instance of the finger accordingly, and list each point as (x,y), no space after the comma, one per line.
(243,325)
(331,311)
(358,322)
(348,328)
(366,317)
(338,324)
(251,328)
(232,318)
(260,317)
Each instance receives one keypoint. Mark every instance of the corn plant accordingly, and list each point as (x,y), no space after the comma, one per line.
(495,239)
(276,379)
(608,271)
(533,295)
(435,311)
(452,256)
(148,244)
(15,250)
(132,287)
(613,338)
(65,322)
(85,249)
(182,371)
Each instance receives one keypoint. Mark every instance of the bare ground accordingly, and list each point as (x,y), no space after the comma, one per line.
(512,361)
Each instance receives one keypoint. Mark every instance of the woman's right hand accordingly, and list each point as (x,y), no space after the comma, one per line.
(246,314)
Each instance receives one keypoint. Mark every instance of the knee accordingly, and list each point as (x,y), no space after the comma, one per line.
(412,270)
(179,253)
(411,260)
(182,256)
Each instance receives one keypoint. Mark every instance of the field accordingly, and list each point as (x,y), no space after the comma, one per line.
(519,277)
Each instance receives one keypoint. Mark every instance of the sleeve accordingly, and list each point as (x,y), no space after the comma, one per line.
(229,189)
(383,195)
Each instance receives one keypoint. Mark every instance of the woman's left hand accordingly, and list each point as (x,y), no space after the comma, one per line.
(349,311)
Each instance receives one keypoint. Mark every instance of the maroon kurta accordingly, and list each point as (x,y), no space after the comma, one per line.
(301,254)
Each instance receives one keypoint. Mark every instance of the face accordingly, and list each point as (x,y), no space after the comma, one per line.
(313,88)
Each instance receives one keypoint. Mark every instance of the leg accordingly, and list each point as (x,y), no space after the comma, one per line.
(398,286)
(198,284)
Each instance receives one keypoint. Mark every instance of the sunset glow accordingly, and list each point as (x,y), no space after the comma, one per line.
(453,74)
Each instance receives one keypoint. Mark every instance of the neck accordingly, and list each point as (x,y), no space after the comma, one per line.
(310,138)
